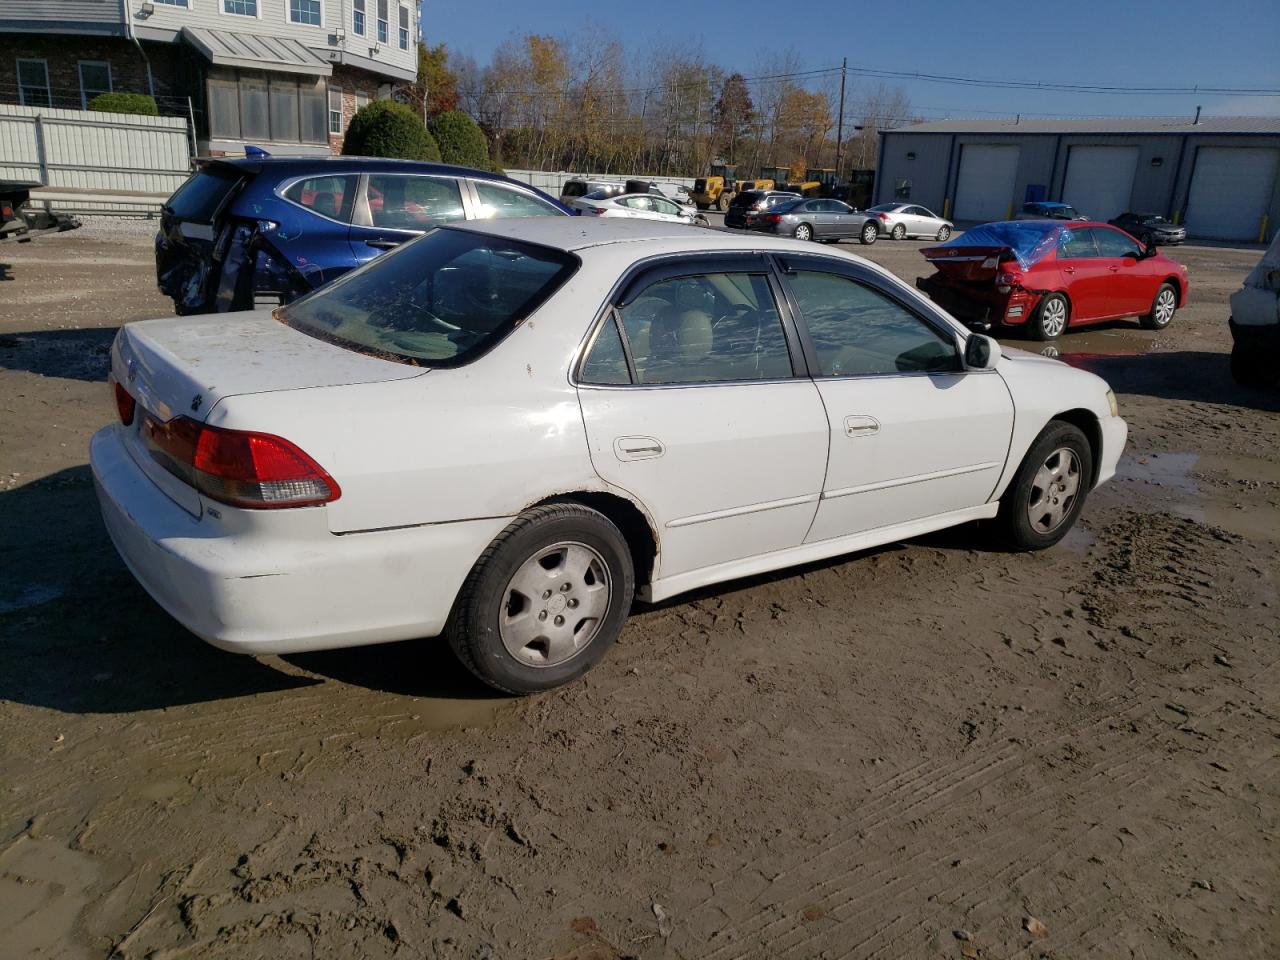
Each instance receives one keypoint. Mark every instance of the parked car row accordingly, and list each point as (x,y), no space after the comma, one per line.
(828,221)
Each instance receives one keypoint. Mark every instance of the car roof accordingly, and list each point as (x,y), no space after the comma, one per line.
(287,166)
(581,233)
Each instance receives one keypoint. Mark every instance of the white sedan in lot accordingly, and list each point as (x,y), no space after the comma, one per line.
(503,430)
(637,206)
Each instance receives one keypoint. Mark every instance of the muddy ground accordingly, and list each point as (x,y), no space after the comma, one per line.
(909,753)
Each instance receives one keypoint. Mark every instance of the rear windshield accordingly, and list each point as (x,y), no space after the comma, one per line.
(786,204)
(199,198)
(574,188)
(438,301)
(884,208)
(748,198)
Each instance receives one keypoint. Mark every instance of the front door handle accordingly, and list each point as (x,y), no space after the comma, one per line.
(637,448)
(383,244)
(855,427)
(1068,269)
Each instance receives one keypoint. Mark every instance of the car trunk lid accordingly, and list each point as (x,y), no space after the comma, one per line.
(968,264)
(182,367)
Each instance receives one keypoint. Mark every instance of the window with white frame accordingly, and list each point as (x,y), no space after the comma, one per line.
(362,100)
(305,11)
(33,83)
(404,28)
(95,78)
(357,16)
(335,110)
(241,8)
(173,3)
(383,25)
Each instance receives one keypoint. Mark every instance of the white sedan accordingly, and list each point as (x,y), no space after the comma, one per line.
(503,430)
(637,206)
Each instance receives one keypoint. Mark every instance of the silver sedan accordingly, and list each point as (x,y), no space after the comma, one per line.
(902,220)
(827,221)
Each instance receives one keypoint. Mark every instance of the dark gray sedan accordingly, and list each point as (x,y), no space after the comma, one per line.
(815,219)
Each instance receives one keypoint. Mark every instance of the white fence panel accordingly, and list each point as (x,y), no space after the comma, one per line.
(94,161)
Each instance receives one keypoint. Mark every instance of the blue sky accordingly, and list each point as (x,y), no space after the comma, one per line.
(1223,43)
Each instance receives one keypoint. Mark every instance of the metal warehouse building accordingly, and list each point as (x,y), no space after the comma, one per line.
(1220,176)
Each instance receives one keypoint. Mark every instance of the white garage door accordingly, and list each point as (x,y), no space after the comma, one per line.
(1100,180)
(984,188)
(1230,191)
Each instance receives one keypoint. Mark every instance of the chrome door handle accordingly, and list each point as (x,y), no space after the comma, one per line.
(855,427)
(383,244)
(637,448)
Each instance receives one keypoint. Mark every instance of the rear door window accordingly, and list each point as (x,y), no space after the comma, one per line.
(199,199)
(400,202)
(501,202)
(1076,245)
(331,197)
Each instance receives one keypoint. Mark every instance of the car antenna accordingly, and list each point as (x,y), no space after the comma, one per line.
(257,153)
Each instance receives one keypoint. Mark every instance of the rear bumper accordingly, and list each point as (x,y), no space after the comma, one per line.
(979,307)
(277,581)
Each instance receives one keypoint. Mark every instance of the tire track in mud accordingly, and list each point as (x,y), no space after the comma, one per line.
(805,887)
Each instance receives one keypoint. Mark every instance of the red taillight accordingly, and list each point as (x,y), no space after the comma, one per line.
(598,211)
(238,467)
(882,216)
(6,211)
(125,404)
(774,218)
(1010,278)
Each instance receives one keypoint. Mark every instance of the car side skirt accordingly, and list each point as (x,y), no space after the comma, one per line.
(665,587)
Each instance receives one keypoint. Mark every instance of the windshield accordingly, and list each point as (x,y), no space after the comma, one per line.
(574,188)
(438,301)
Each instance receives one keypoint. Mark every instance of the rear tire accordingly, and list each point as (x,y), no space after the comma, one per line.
(723,203)
(514,629)
(899,232)
(1046,495)
(943,235)
(1050,318)
(701,221)
(1163,307)
(870,234)
(803,232)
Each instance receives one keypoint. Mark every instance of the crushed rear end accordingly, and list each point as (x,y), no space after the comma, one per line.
(982,276)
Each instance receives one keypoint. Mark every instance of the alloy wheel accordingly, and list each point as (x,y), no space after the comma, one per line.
(1166,304)
(1053,318)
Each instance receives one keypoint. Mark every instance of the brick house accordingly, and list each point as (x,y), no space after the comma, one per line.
(286,75)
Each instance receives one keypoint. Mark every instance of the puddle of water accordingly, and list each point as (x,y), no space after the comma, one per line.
(1192,485)
(1091,344)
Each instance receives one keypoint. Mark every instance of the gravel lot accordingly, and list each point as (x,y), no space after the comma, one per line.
(930,750)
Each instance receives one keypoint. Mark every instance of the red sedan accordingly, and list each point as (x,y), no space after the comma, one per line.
(1046,276)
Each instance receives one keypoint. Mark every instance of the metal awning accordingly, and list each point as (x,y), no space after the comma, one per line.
(255,51)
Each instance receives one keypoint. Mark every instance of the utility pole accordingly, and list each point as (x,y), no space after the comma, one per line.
(844,64)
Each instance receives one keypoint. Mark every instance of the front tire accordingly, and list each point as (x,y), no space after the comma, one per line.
(723,203)
(1163,307)
(1050,319)
(545,601)
(701,221)
(870,234)
(803,232)
(1048,492)
(899,232)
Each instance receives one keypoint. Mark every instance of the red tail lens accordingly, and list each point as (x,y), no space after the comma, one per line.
(598,211)
(774,218)
(882,216)
(1009,278)
(125,404)
(239,467)
(6,210)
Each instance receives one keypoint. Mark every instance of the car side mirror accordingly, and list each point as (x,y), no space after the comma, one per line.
(981,352)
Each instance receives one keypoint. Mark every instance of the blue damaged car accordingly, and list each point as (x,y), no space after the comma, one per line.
(259,230)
